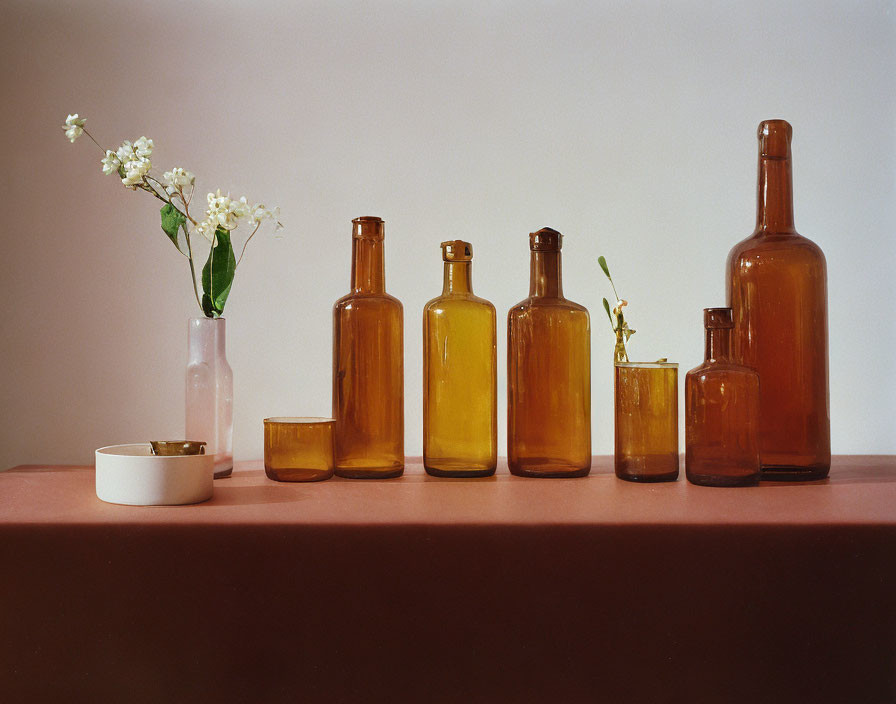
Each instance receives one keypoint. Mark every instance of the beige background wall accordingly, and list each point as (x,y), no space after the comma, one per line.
(628,126)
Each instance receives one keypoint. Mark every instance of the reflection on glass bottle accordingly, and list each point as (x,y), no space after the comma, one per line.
(548,373)
(368,360)
(459,374)
(777,289)
(722,412)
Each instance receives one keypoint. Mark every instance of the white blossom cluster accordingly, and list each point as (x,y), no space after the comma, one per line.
(227,214)
(177,179)
(74,126)
(131,161)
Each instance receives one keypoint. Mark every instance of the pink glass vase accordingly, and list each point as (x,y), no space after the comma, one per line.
(209,398)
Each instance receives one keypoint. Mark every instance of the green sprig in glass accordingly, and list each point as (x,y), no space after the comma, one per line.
(617,318)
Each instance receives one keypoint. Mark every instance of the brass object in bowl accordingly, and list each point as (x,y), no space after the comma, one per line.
(170,448)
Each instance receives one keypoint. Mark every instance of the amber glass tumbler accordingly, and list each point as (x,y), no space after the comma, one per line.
(721,412)
(368,365)
(777,289)
(548,372)
(646,445)
(298,449)
(460,424)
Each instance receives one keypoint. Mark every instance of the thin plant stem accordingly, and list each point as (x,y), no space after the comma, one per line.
(93,140)
(614,288)
(192,266)
(246,244)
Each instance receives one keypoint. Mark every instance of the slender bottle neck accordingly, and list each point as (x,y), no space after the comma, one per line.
(207,337)
(718,344)
(458,278)
(544,275)
(774,210)
(368,265)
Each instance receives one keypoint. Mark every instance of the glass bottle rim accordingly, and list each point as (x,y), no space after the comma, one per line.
(647,365)
(298,420)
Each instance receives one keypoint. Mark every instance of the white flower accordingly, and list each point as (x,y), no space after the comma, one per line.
(74,126)
(223,211)
(111,163)
(135,170)
(260,213)
(177,178)
(125,152)
(240,208)
(206,228)
(143,147)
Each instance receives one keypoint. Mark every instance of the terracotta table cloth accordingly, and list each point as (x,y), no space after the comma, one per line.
(422,589)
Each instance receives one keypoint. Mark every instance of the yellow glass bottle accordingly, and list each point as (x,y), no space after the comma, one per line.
(460,425)
(548,372)
(368,365)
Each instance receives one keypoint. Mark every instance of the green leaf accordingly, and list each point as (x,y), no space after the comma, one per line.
(609,315)
(603,265)
(207,306)
(217,274)
(172,219)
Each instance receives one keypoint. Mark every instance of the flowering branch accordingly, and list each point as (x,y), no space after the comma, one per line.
(132,164)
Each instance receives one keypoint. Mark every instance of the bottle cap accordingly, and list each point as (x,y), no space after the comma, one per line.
(368,227)
(545,240)
(717,318)
(457,251)
(774,138)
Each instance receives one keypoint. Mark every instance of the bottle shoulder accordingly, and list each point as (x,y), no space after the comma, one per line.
(710,370)
(367,300)
(543,304)
(458,302)
(773,246)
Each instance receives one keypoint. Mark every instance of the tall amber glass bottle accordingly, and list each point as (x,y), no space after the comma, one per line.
(460,426)
(368,361)
(721,412)
(548,373)
(777,288)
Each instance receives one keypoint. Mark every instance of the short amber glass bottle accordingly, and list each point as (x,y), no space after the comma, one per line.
(368,361)
(460,426)
(548,373)
(777,289)
(721,412)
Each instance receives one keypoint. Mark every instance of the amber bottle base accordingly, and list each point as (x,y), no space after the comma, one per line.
(778,473)
(224,473)
(649,478)
(546,473)
(298,475)
(721,480)
(367,473)
(460,473)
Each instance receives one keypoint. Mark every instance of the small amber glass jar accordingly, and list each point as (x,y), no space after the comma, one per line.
(298,449)
(646,446)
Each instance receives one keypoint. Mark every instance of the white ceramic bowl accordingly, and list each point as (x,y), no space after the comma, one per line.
(132,475)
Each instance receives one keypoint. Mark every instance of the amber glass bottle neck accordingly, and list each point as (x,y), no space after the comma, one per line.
(458,278)
(545,275)
(774,211)
(718,344)
(368,265)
